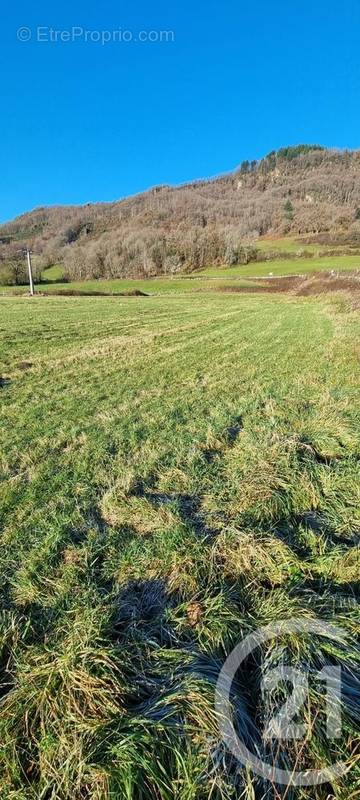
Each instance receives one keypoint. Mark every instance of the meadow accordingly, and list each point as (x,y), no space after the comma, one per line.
(291,266)
(175,472)
(289,244)
(212,278)
(150,286)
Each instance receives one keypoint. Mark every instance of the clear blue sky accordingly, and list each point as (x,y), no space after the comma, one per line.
(83,122)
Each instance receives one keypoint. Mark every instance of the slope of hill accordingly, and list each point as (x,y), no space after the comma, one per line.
(304,191)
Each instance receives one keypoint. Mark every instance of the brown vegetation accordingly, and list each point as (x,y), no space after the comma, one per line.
(298,191)
(313,284)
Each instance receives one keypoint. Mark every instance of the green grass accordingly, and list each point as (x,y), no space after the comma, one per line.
(174,475)
(285,267)
(288,245)
(54,273)
(152,286)
(212,278)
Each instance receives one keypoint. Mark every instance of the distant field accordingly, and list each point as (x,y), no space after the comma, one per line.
(54,273)
(174,474)
(210,279)
(151,286)
(295,245)
(285,267)
(287,244)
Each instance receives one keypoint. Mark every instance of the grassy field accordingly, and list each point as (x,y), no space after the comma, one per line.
(151,286)
(54,273)
(174,475)
(298,266)
(213,278)
(288,245)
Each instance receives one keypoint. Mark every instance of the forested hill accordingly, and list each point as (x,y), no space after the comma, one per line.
(304,190)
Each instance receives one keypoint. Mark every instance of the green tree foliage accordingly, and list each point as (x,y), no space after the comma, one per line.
(288,153)
(289,210)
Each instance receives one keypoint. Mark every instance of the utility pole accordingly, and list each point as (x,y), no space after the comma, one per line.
(31,281)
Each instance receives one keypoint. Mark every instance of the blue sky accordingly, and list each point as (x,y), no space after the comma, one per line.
(83,121)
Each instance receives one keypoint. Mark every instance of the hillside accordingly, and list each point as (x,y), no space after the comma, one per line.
(305,191)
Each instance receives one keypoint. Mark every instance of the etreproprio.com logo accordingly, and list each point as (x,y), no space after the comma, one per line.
(78,34)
